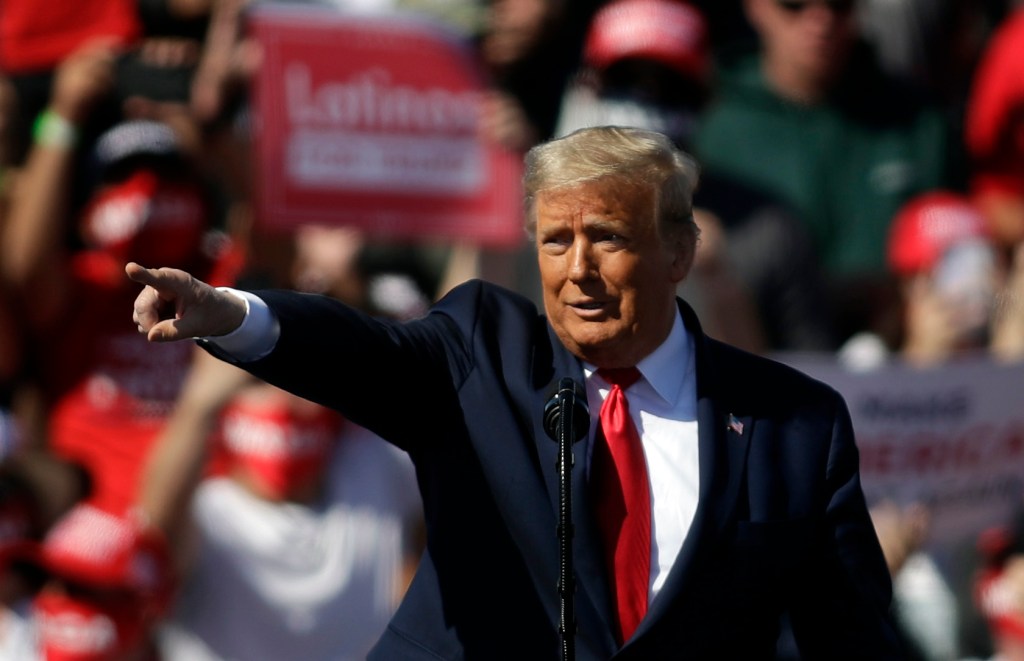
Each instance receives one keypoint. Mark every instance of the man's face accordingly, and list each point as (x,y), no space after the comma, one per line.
(811,37)
(608,278)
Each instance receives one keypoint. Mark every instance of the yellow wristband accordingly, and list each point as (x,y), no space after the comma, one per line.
(52,130)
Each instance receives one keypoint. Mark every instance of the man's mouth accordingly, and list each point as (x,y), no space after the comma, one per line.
(590,309)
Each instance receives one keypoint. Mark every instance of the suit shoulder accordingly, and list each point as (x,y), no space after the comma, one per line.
(481,290)
(481,299)
(766,378)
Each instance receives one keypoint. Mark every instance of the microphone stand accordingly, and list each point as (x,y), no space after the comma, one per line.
(566,577)
(562,425)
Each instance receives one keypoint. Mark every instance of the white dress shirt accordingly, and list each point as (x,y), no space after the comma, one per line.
(663,405)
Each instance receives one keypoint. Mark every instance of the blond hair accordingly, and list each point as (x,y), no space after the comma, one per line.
(635,157)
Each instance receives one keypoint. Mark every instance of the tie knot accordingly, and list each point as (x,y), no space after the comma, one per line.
(623,377)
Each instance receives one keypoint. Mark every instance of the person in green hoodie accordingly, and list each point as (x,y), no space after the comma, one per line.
(811,118)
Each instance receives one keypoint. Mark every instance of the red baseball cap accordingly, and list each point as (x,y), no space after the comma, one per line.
(673,33)
(928,225)
(92,547)
(147,219)
(283,441)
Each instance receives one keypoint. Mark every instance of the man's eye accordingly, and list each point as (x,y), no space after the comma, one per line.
(554,246)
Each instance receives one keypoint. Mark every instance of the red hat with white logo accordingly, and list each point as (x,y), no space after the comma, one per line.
(670,32)
(93,547)
(929,225)
(148,219)
(144,214)
(122,578)
(282,441)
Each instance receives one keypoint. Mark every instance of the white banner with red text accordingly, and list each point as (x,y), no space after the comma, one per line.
(951,437)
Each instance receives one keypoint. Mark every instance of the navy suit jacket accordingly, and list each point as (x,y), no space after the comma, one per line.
(781,525)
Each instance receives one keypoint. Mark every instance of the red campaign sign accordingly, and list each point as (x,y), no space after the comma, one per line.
(371,120)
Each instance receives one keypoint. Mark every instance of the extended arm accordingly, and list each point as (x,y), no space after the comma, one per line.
(326,351)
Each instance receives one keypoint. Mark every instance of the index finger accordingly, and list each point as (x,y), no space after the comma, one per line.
(134,271)
(155,278)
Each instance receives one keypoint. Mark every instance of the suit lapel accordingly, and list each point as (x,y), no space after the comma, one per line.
(723,436)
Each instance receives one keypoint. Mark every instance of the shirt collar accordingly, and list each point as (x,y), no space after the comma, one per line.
(660,368)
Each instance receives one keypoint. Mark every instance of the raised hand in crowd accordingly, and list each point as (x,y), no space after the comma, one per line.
(227,61)
(176,463)
(83,78)
(36,229)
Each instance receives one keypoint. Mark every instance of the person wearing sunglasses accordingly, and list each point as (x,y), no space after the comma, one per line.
(809,116)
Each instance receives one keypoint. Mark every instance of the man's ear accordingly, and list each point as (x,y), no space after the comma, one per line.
(682,251)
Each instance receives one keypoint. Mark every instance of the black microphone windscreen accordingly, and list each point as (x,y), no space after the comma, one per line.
(571,397)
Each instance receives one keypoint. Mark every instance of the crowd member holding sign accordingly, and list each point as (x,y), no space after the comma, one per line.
(742,499)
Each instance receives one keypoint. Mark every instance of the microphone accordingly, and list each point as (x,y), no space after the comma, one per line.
(570,399)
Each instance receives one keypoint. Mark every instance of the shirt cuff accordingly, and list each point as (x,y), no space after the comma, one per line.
(255,337)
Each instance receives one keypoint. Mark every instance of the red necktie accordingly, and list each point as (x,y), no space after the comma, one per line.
(623,502)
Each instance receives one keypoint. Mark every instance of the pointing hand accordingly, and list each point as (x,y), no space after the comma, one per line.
(173,305)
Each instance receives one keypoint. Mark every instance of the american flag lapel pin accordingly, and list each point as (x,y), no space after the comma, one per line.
(735,425)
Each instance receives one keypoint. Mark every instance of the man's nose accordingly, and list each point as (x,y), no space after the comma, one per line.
(581,261)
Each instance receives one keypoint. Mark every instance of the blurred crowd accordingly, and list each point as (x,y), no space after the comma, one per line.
(862,195)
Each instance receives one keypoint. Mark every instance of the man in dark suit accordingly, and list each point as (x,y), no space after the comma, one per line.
(752,507)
